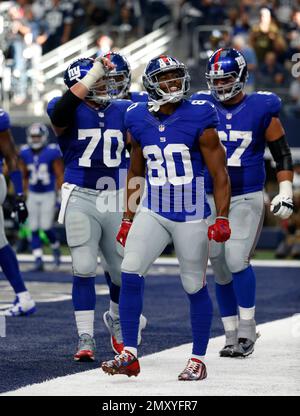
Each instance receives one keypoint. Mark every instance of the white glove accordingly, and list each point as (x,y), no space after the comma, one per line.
(100,67)
(282,205)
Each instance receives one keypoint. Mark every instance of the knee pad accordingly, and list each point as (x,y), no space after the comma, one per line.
(236,259)
(132,263)
(78,230)
(192,282)
(222,274)
(84,263)
(3,239)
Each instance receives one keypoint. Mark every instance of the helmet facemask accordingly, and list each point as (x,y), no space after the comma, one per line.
(168,90)
(99,93)
(118,84)
(37,136)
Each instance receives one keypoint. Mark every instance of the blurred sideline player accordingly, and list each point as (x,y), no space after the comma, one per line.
(23,304)
(247,124)
(119,82)
(43,171)
(92,135)
(171,136)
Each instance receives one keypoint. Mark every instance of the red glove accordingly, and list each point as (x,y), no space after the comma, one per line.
(123,231)
(220,230)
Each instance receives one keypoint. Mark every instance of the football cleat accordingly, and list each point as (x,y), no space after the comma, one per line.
(114,327)
(125,363)
(18,308)
(244,347)
(195,370)
(86,349)
(226,351)
(231,341)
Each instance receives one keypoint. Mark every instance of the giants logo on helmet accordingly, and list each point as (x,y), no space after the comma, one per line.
(165,61)
(74,73)
(216,69)
(240,61)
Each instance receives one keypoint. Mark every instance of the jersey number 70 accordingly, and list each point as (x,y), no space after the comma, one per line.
(96,135)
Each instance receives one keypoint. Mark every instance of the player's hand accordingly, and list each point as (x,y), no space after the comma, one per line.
(20,211)
(123,231)
(220,230)
(100,68)
(282,206)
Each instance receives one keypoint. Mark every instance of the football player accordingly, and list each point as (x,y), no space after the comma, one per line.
(23,304)
(119,81)
(91,134)
(171,138)
(247,124)
(42,168)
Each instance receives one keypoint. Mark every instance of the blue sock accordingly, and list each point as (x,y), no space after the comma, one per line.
(10,267)
(51,236)
(244,286)
(35,240)
(131,306)
(226,299)
(201,311)
(84,293)
(114,290)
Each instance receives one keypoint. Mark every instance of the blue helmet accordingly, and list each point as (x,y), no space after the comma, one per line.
(37,135)
(77,70)
(158,66)
(119,77)
(226,64)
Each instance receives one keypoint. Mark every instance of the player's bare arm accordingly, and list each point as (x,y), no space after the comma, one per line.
(282,204)
(8,150)
(215,160)
(134,185)
(25,175)
(58,168)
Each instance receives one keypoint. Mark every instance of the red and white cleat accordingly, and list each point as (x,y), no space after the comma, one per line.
(195,370)
(125,363)
(86,349)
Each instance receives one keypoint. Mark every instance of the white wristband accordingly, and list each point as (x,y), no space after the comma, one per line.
(96,72)
(286,189)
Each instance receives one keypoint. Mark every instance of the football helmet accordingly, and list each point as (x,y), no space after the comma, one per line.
(226,64)
(37,135)
(77,70)
(151,79)
(119,78)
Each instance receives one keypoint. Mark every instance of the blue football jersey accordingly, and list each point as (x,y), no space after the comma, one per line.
(93,147)
(40,167)
(175,167)
(4,125)
(139,97)
(242,131)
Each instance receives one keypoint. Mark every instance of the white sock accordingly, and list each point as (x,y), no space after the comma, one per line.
(199,357)
(230,323)
(85,322)
(247,313)
(37,252)
(132,350)
(114,310)
(24,296)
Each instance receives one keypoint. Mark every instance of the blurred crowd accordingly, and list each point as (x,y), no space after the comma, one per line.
(266,32)
(31,28)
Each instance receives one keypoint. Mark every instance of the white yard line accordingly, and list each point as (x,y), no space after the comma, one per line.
(170,261)
(273,369)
